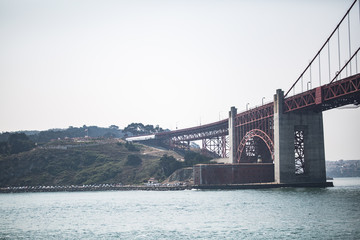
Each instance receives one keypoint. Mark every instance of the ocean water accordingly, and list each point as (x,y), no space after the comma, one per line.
(284,213)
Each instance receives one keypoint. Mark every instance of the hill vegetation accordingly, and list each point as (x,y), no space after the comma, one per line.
(16,143)
(141,129)
(112,131)
(86,155)
(41,137)
(91,161)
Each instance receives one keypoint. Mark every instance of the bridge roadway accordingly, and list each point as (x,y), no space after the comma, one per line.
(210,130)
(326,97)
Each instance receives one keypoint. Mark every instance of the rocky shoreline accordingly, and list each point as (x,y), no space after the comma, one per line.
(162,187)
(104,187)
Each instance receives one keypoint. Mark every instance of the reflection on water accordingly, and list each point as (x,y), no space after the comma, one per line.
(285,213)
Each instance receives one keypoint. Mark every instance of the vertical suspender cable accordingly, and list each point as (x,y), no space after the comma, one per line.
(339,50)
(338,74)
(329,60)
(310,78)
(346,67)
(349,41)
(356,53)
(319,70)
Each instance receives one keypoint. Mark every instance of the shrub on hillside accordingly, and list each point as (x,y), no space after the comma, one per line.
(133,160)
(131,147)
(193,158)
(169,164)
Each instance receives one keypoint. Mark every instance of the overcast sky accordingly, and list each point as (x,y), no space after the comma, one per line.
(171,63)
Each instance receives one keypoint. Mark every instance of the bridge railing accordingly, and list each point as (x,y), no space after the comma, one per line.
(337,57)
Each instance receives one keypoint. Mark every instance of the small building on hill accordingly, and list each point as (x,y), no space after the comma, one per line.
(152,181)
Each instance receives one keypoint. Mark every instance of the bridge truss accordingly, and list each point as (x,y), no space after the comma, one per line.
(213,136)
(252,128)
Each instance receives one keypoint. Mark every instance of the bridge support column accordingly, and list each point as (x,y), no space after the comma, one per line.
(232,140)
(298,145)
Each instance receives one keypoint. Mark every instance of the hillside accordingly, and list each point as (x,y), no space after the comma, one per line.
(71,132)
(83,161)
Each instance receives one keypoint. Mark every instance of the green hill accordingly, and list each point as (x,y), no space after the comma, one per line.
(82,162)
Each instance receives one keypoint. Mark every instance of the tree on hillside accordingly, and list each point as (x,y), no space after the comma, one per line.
(109,135)
(135,128)
(169,164)
(4,148)
(4,136)
(76,132)
(140,129)
(193,158)
(131,147)
(19,142)
(114,127)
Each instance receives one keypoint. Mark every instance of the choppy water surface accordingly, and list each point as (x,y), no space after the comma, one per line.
(287,213)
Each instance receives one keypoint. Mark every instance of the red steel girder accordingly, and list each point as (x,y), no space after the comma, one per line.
(256,118)
(255,114)
(189,136)
(335,94)
(299,101)
(341,88)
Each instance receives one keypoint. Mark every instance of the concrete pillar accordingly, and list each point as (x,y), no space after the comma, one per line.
(232,136)
(285,125)
(278,108)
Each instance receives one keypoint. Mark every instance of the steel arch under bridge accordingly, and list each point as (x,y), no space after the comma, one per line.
(254,134)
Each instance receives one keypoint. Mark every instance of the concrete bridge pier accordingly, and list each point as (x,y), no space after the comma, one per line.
(298,145)
(232,140)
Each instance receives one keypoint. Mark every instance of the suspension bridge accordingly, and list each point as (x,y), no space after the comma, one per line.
(286,134)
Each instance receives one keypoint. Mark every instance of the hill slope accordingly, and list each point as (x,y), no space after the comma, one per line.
(87,162)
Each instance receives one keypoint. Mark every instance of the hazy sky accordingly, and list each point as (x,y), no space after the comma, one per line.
(172,63)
